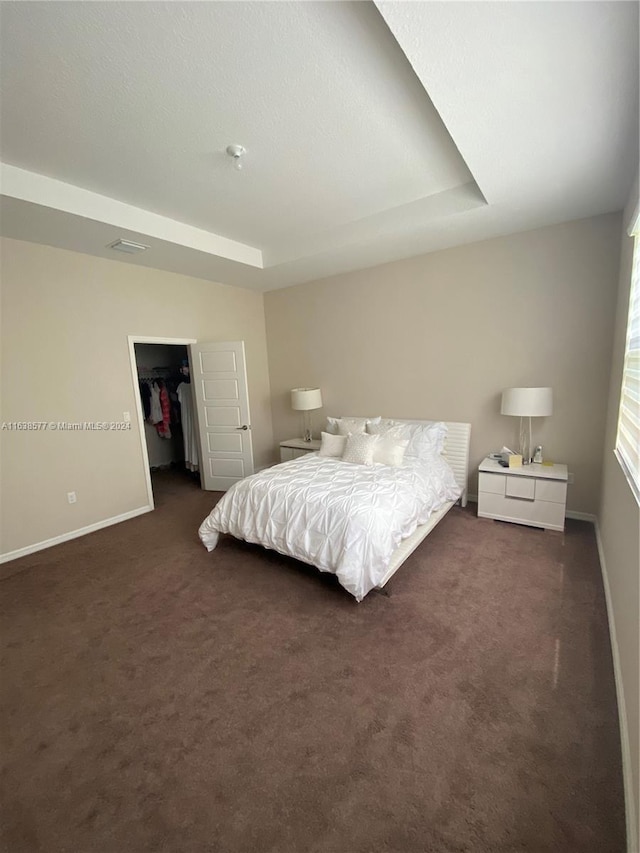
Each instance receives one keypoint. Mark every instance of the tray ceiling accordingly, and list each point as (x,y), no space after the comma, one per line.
(373,131)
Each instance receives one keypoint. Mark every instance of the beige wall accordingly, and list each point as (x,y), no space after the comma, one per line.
(65,356)
(619,529)
(441,335)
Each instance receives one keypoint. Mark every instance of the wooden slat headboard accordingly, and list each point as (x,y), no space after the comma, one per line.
(456,451)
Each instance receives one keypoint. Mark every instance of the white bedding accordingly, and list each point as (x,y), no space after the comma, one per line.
(342,518)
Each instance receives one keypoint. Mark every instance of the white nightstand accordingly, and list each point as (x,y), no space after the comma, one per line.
(294,447)
(534,494)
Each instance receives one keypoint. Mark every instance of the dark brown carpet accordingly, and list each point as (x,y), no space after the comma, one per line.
(159,698)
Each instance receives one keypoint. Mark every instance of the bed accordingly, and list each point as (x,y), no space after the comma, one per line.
(358,521)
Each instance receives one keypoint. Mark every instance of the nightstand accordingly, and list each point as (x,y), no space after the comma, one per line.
(294,447)
(534,494)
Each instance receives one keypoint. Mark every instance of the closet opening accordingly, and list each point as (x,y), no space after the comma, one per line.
(163,376)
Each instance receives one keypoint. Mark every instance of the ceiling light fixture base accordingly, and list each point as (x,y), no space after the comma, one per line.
(237,152)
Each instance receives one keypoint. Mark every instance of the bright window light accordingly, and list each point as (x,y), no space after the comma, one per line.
(628,433)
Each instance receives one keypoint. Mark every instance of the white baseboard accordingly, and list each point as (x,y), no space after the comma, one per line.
(73,534)
(580,516)
(627,773)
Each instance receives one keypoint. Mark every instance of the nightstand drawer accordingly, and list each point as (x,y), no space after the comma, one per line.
(289,453)
(551,490)
(494,483)
(534,513)
(520,487)
(293,448)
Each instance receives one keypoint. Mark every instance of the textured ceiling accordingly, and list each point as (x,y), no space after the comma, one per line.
(372,131)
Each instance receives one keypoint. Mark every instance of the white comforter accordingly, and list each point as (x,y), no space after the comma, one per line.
(342,518)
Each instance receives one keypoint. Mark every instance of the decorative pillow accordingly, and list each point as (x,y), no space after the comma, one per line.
(388,428)
(332,445)
(355,425)
(390,451)
(351,426)
(360,449)
(426,440)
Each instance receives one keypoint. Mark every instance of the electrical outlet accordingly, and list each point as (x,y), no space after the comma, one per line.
(570,478)
(126,417)
(72,497)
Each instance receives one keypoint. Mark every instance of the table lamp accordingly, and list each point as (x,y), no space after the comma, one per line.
(305,400)
(527,403)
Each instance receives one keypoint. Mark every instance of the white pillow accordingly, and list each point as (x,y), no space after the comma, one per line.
(388,427)
(332,445)
(426,440)
(351,426)
(360,448)
(390,451)
(357,425)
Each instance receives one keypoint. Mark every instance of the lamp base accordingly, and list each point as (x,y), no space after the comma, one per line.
(306,426)
(525,441)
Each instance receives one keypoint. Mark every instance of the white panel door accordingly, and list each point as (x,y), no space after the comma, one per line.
(219,380)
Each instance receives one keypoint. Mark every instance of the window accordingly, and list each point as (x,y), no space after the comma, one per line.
(628,434)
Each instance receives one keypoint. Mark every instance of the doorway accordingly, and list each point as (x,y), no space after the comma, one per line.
(220,422)
(162,375)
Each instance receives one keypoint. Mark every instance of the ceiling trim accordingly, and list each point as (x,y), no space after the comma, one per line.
(39,189)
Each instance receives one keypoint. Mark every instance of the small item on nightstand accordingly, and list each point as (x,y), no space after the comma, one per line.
(537,456)
(510,459)
(503,457)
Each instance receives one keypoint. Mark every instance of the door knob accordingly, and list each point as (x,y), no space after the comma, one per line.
(244,426)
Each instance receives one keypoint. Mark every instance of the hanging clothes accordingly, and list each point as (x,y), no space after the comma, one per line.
(174,403)
(164,426)
(156,409)
(145,396)
(189,432)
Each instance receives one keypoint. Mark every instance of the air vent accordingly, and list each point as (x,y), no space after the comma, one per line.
(127,246)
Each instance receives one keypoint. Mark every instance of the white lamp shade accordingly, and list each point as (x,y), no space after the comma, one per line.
(527,402)
(305,399)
